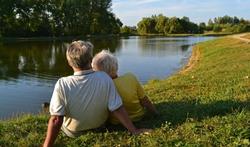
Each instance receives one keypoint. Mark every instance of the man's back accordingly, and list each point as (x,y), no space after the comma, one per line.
(84,99)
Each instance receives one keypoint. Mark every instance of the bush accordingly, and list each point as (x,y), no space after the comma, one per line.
(217,28)
(126,30)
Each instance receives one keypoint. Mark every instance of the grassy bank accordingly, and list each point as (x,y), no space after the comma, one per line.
(208,105)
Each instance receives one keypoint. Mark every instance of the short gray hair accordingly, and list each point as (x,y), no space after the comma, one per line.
(105,61)
(79,54)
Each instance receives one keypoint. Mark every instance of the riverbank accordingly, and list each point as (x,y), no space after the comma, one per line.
(207,105)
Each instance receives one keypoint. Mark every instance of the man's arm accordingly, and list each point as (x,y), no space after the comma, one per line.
(122,115)
(54,126)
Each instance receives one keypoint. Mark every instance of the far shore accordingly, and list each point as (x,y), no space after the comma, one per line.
(70,38)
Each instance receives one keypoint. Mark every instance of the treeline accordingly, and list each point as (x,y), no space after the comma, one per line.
(172,25)
(165,25)
(35,18)
(30,18)
(228,24)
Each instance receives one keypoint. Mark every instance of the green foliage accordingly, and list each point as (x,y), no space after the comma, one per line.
(126,30)
(174,26)
(202,27)
(189,27)
(163,25)
(27,18)
(161,21)
(228,24)
(146,26)
(207,106)
(217,28)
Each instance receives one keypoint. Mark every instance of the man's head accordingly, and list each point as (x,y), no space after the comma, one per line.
(105,61)
(79,54)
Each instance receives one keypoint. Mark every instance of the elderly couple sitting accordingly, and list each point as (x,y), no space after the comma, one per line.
(87,99)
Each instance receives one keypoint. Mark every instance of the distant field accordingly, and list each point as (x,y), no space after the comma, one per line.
(207,106)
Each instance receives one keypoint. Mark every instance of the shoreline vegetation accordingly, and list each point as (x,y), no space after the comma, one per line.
(206,104)
(70,38)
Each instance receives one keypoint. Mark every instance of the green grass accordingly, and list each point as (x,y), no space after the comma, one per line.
(207,106)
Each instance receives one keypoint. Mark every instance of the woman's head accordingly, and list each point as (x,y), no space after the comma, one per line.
(105,61)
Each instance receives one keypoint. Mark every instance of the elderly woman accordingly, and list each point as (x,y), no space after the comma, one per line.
(129,88)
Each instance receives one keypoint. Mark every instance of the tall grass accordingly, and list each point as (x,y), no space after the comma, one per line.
(206,106)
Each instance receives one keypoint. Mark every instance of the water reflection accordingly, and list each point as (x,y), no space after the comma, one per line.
(29,70)
(164,46)
(32,57)
(113,44)
(41,59)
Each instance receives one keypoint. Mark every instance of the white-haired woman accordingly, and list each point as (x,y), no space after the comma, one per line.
(129,88)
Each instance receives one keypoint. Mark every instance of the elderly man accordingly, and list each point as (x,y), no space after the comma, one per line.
(83,101)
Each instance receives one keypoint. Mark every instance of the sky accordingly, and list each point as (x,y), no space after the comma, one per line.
(131,12)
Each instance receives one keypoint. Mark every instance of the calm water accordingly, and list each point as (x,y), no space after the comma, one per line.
(29,70)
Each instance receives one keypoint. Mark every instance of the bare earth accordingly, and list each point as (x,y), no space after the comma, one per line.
(241,37)
(195,57)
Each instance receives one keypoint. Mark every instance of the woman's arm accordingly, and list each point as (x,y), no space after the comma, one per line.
(122,115)
(145,102)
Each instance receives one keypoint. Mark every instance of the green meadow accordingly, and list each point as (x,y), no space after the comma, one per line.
(206,105)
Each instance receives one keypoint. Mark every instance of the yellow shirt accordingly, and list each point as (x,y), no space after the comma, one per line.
(130,91)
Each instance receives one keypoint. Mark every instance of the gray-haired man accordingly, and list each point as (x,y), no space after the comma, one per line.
(83,101)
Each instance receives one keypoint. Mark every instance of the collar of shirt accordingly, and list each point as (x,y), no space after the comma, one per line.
(83,72)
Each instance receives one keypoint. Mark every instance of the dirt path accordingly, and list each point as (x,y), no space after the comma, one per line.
(240,37)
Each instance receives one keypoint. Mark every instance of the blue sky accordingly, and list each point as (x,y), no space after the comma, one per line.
(131,11)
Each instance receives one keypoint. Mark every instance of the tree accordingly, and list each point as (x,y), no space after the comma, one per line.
(26,18)
(160,23)
(126,30)
(217,28)
(228,24)
(202,27)
(236,20)
(146,26)
(188,26)
(174,26)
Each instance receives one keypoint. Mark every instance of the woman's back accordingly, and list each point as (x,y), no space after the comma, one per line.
(131,92)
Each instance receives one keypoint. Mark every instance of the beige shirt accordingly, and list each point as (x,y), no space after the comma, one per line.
(84,99)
